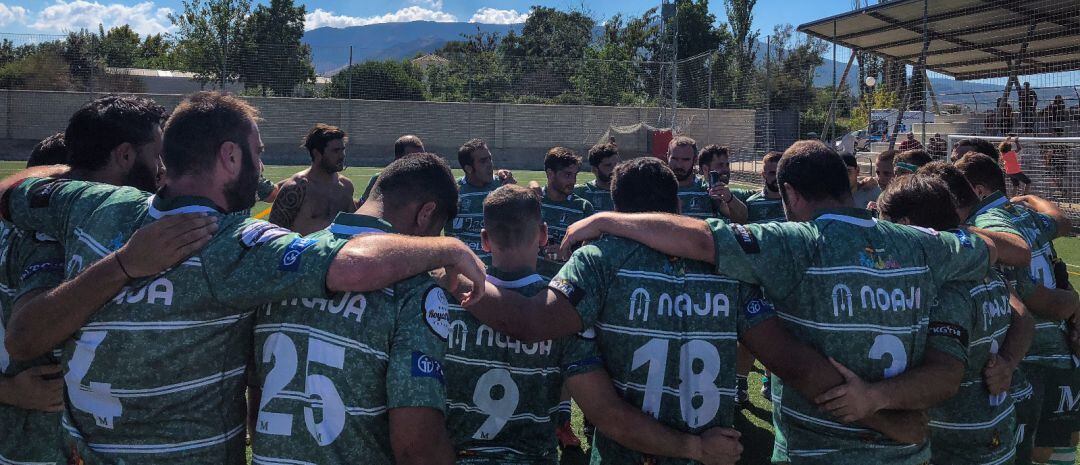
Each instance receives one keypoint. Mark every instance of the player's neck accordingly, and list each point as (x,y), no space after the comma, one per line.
(688,182)
(554,195)
(606,185)
(476,182)
(103,176)
(514,262)
(194,186)
(321,175)
(771,194)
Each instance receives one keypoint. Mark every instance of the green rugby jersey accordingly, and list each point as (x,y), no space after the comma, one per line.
(370,186)
(666,330)
(157,375)
(363,354)
(470,216)
(761,209)
(975,427)
(558,216)
(859,290)
(694,200)
(30,262)
(599,198)
(502,393)
(1050,346)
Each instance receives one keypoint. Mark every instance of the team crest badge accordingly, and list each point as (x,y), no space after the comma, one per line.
(437,312)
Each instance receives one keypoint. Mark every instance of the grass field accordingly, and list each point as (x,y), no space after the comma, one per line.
(755,421)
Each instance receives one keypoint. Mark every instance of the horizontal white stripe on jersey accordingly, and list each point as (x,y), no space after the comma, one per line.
(558,207)
(471,194)
(349,230)
(638,274)
(317,402)
(496,450)
(177,387)
(995,284)
(515,417)
(854,327)
(667,334)
(810,453)
(506,366)
(806,418)
(257,459)
(163,325)
(323,336)
(990,338)
(863,222)
(515,284)
(1009,453)
(563,406)
(1022,394)
(851,269)
(101,250)
(155,213)
(7,461)
(1050,325)
(7,290)
(1038,358)
(1004,415)
(724,392)
(155,448)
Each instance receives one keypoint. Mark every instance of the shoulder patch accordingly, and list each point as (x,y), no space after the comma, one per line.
(290,260)
(426,366)
(41,194)
(436,310)
(745,238)
(964,238)
(950,330)
(42,237)
(568,289)
(261,232)
(758,306)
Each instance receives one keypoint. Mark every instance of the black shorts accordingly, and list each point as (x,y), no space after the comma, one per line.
(1019,178)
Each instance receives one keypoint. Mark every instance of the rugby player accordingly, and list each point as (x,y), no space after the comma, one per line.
(49,151)
(910,161)
(502,393)
(602,161)
(716,158)
(666,327)
(479,180)
(374,360)
(158,374)
(309,200)
(404,145)
(974,144)
(558,205)
(817,267)
(696,197)
(766,206)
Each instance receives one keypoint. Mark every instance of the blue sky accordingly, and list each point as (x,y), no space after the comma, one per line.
(150,16)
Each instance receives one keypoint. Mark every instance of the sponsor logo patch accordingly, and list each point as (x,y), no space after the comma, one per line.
(568,289)
(290,260)
(758,306)
(437,312)
(964,238)
(746,240)
(261,232)
(957,332)
(55,266)
(426,366)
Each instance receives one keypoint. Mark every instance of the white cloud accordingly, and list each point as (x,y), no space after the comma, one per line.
(322,18)
(433,4)
(144,17)
(12,14)
(488,15)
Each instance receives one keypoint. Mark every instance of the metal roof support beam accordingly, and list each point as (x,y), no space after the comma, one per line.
(933,95)
(989,5)
(1000,43)
(836,96)
(920,68)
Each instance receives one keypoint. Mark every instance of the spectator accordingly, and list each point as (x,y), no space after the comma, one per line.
(1028,102)
(1011,159)
(1056,113)
(910,143)
(937,147)
(1003,117)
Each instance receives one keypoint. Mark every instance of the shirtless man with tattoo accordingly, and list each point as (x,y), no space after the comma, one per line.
(309,200)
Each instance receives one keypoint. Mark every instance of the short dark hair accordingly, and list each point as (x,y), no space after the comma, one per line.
(600,152)
(682,141)
(915,158)
(198,127)
(464,154)
(923,200)
(979,145)
(405,142)
(320,135)
(958,185)
(772,157)
(644,184)
(558,158)
(711,151)
(511,215)
(981,170)
(418,177)
(887,156)
(49,151)
(103,124)
(814,170)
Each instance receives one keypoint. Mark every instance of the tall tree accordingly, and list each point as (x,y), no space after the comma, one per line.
(210,37)
(119,47)
(378,80)
(548,51)
(275,60)
(744,41)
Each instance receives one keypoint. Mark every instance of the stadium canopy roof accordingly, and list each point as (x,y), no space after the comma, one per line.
(969,39)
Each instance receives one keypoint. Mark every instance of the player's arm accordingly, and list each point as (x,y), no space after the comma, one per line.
(1048,208)
(43,319)
(1012,249)
(38,388)
(286,207)
(999,369)
(546,315)
(418,436)
(674,235)
(728,204)
(1053,304)
(10,182)
(632,428)
(370,262)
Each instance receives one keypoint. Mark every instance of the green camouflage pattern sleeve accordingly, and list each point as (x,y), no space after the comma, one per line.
(41,261)
(580,354)
(44,205)
(956,255)
(742,194)
(771,255)
(755,309)
(414,377)
(951,320)
(584,280)
(996,220)
(263,263)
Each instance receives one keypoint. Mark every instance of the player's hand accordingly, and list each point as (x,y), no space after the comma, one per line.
(466,278)
(582,230)
(851,401)
(904,426)
(30,390)
(720,446)
(506,177)
(997,374)
(162,244)
(721,192)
